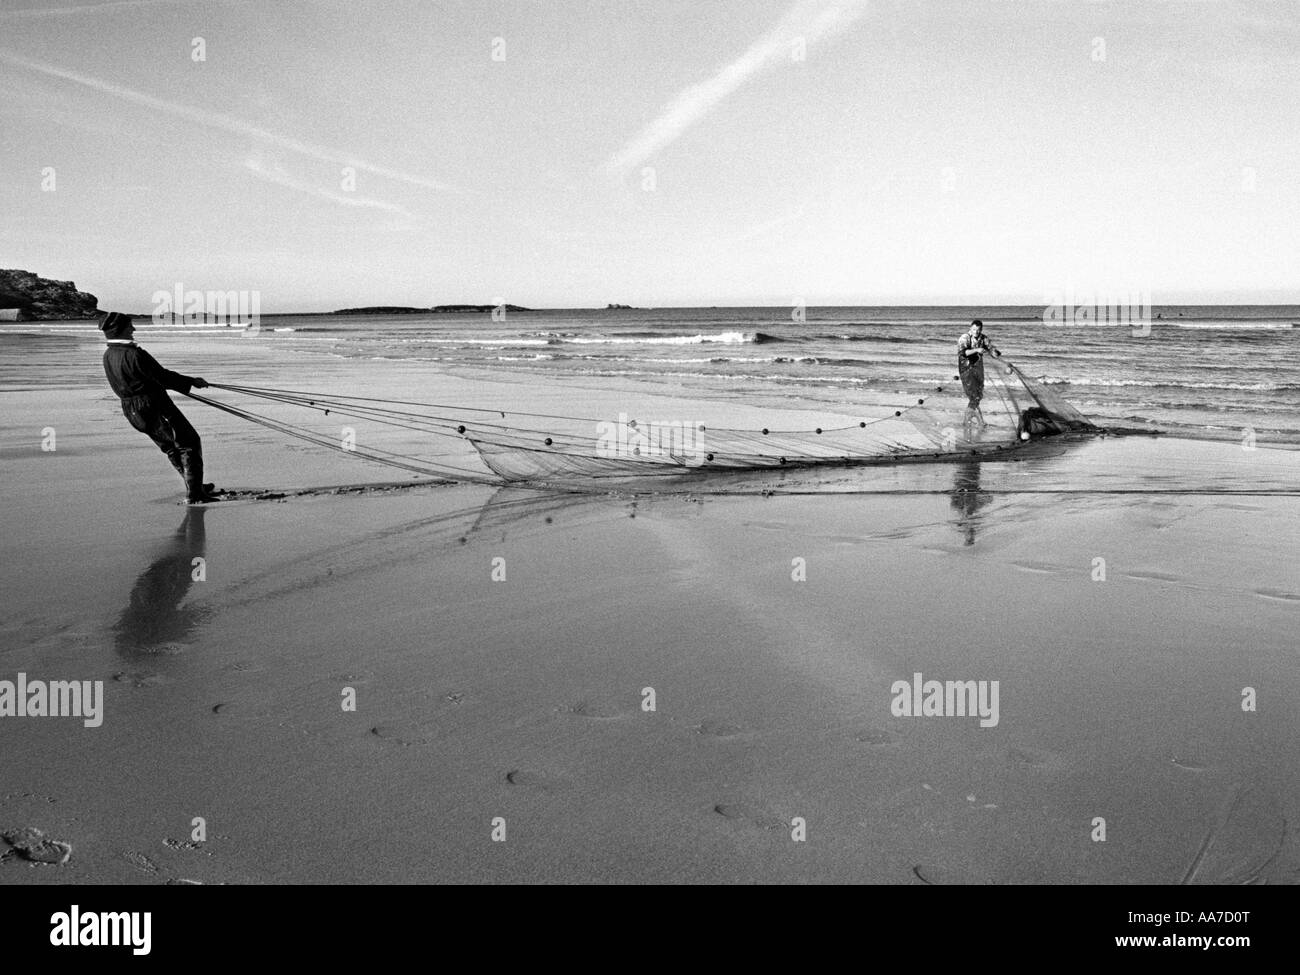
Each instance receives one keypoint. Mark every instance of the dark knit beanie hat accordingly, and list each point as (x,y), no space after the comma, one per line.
(117,325)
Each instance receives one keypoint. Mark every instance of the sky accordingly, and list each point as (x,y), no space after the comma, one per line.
(556,153)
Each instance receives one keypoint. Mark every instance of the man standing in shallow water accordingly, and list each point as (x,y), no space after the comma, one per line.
(142,384)
(970,368)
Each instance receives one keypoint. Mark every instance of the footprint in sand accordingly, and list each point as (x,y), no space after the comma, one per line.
(876,737)
(536,781)
(750,817)
(405,733)
(243,709)
(173,844)
(597,709)
(718,729)
(139,680)
(1036,758)
(32,845)
(140,861)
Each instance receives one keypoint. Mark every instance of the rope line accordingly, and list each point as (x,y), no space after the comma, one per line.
(376,454)
(335,403)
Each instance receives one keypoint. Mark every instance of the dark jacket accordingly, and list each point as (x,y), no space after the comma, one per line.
(134,373)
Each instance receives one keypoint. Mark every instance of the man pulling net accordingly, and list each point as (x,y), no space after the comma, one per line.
(142,384)
(971,348)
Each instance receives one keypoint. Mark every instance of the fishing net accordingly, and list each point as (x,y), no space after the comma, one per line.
(1013,409)
(536,447)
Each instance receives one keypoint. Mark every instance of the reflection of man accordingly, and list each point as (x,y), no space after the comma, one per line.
(970,367)
(967,498)
(154,615)
(142,386)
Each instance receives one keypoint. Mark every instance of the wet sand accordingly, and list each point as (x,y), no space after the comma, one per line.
(524,699)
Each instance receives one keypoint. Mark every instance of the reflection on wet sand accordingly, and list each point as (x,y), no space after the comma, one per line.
(968,499)
(153,616)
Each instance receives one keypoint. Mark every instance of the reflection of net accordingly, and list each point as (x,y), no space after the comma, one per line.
(1014,409)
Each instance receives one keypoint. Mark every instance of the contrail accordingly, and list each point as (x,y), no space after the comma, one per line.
(88,8)
(216,120)
(275,174)
(807,20)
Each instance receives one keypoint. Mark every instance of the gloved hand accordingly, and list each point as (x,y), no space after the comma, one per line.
(199,383)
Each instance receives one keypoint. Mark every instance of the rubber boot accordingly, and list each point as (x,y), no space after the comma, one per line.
(196,491)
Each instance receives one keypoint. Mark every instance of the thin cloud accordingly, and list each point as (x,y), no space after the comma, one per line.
(807,20)
(276,174)
(89,8)
(216,120)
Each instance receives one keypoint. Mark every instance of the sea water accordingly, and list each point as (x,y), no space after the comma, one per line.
(1214,371)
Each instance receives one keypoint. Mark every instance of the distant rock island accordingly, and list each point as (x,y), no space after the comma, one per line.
(617,307)
(26,297)
(436,309)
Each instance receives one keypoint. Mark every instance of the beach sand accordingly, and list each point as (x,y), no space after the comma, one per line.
(523,699)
